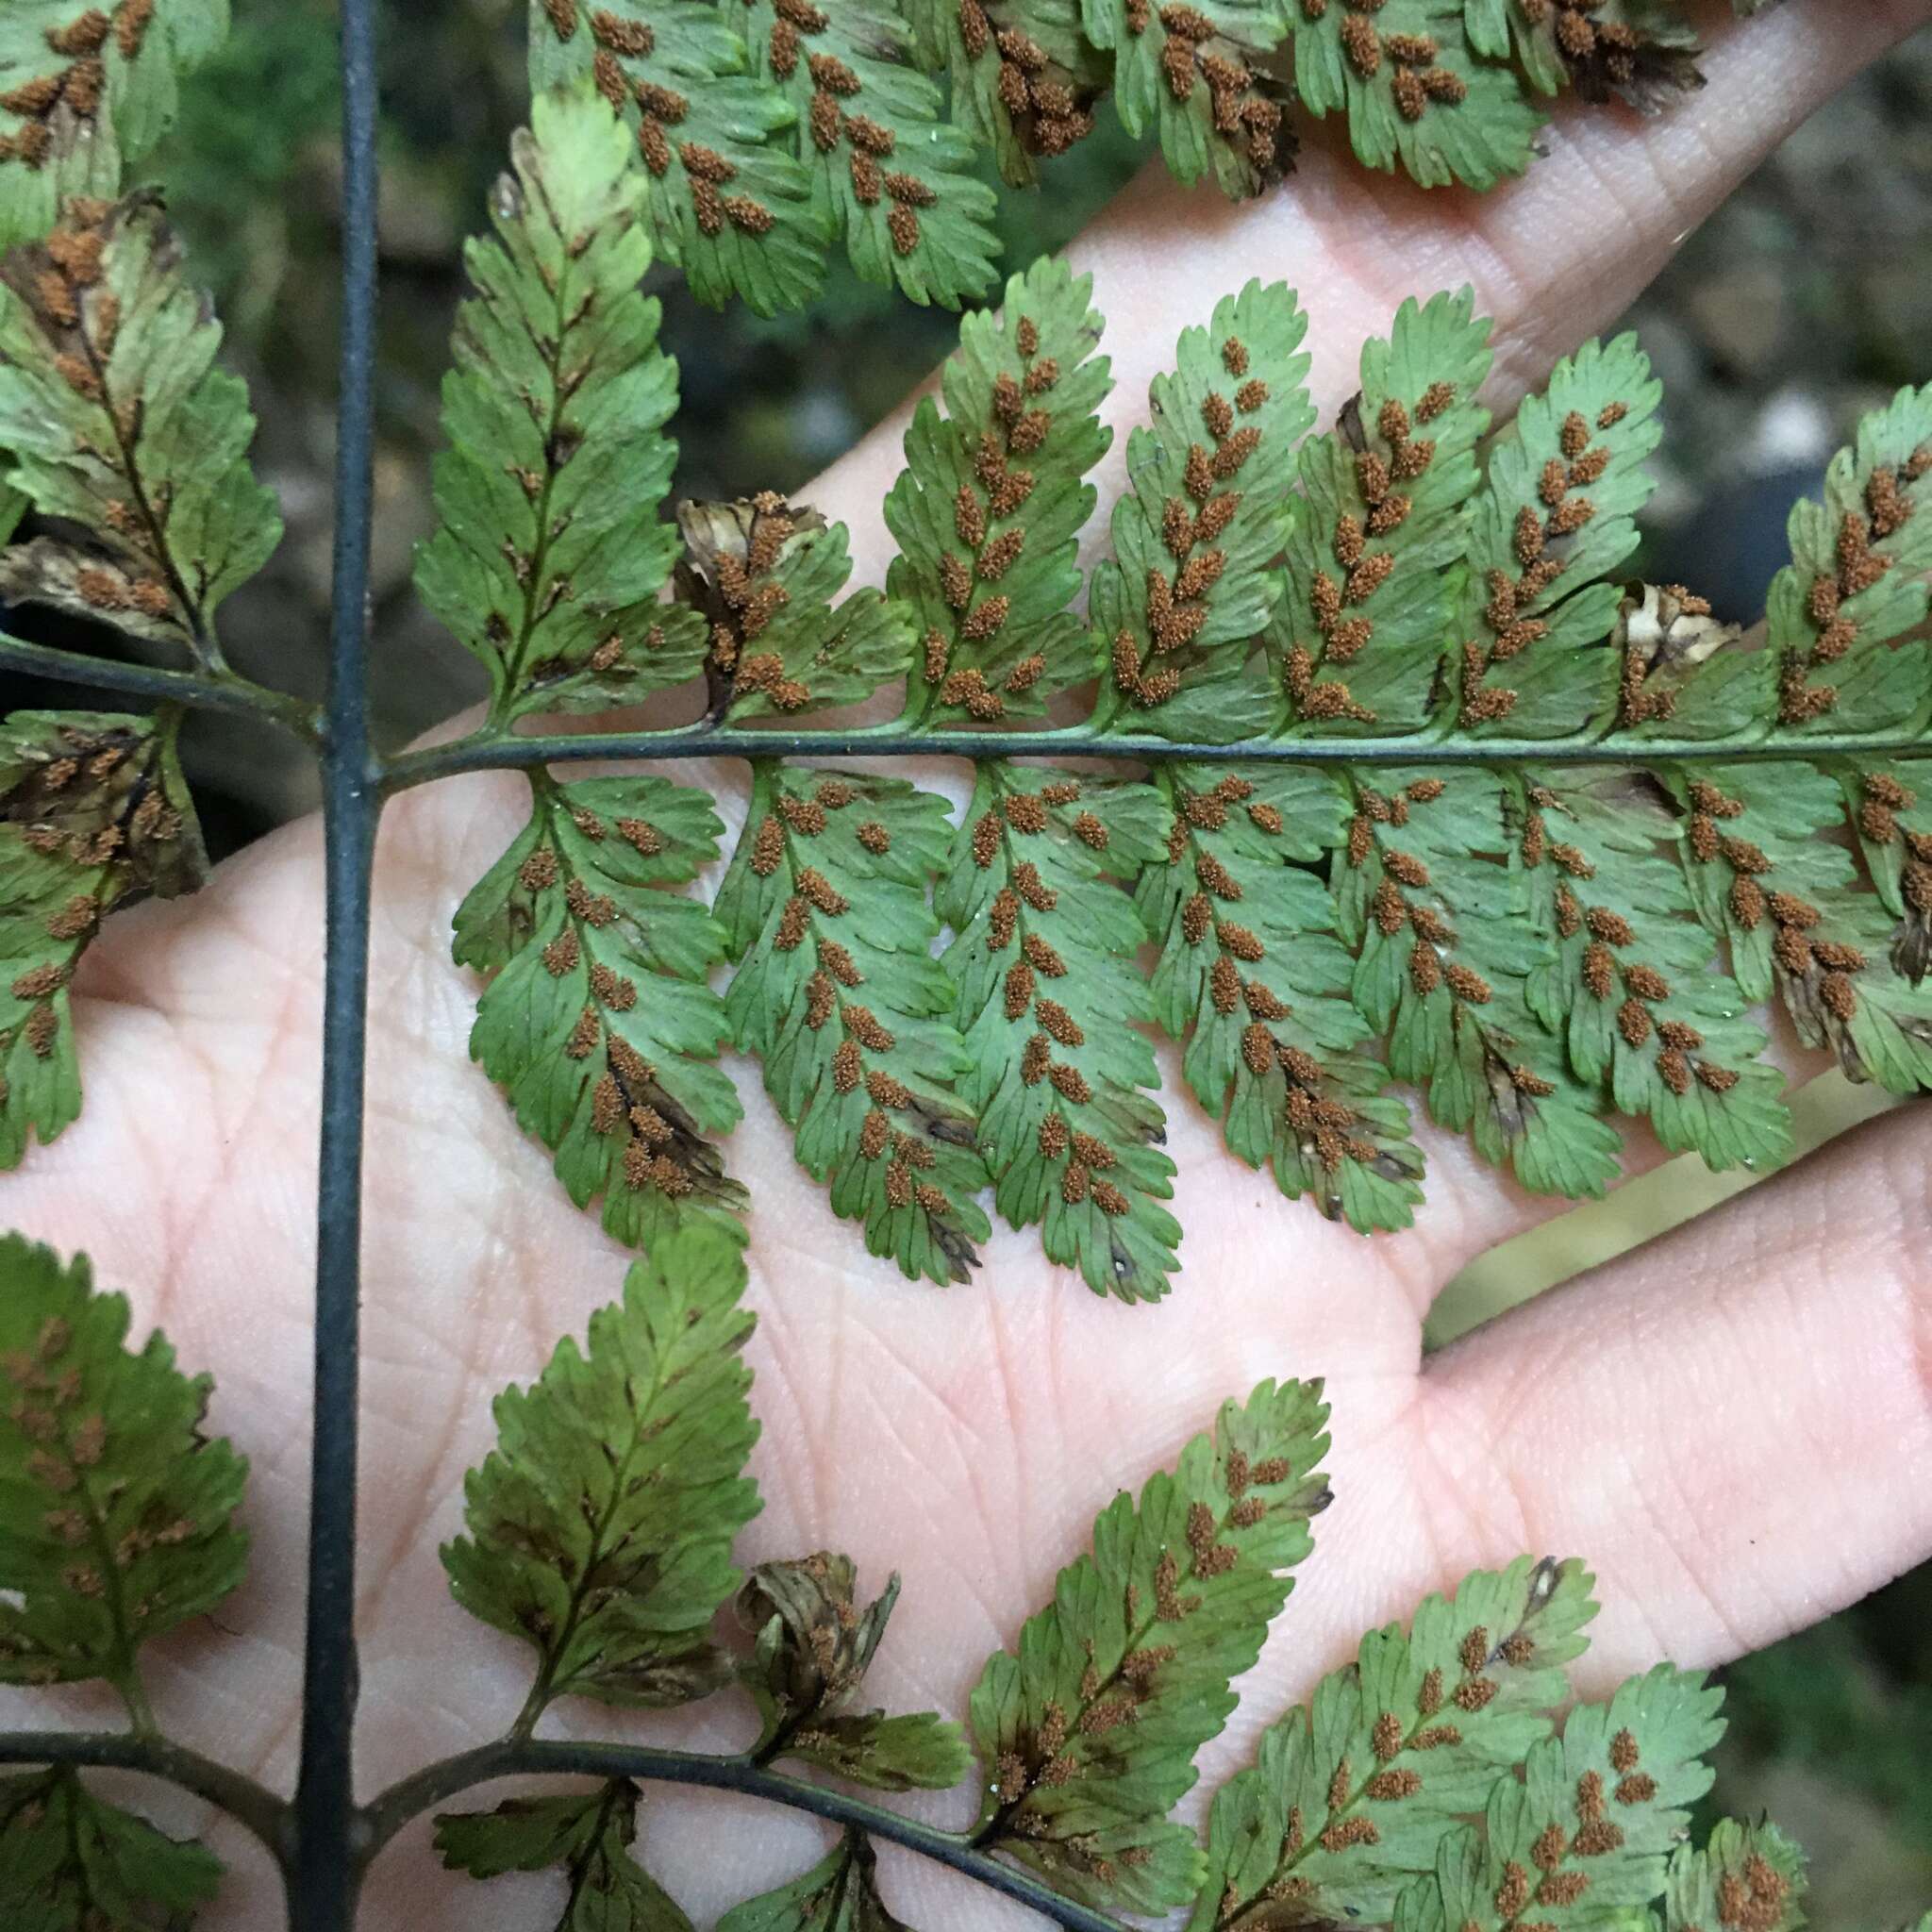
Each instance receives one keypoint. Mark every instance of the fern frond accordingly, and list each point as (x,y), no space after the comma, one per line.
(1744,1875)
(599,1529)
(886,171)
(1587,1831)
(1212,78)
(550,553)
(1357,642)
(724,195)
(1447,953)
(1192,581)
(838,994)
(587,1838)
(70,1858)
(598,1022)
(1545,833)
(1090,1730)
(1255,979)
(1026,79)
(1048,996)
(91,90)
(1416,88)
(117,1514)
(988,510)
(1785,900)
(762,574)
(1856,582)
(1641,51)
(1351,1794)
(840,1893)
(1632,990)
(116,419)
(1555,515)
(94,816)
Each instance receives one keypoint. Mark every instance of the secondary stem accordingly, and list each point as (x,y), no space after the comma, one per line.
(250,1804)
(485,751)
(231,693)
(436,1783)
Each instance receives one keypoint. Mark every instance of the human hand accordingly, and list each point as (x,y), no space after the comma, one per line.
(1702,1421)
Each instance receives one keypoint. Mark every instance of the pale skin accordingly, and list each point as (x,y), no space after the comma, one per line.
(1733,1425)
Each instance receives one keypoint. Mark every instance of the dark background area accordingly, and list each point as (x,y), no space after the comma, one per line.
(1803,303)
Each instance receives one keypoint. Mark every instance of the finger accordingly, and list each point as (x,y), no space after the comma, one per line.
(1732,1425)
(1553,257)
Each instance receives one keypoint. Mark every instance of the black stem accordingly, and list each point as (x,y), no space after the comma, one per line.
(324,1885)
(250,1804)
(490,753)
(513,1757)
(236,694)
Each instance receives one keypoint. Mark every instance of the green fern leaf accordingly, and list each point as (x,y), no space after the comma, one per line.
(1556,516)
(128,430)
(840,1893)
(90,92)
(886,170)
(1585,1836)
(600,1527)
(1358,642)
(117,1515)
(94,815)
(726,198)
(1210,78)
(73,1862)
(1643,51)
(1254,979)
(1026,79)
(988,510)
(762,574)
(1856,585)
(1048,993)
(1192,580)
(838,994)
(599,1023)
(1894,827)
(1448,952)
(1352,1795)
(587,1836)
(1632,988)
(813,1648)
(550,553)
(1089,1732)
(1744,1875)
(1785,902)
(1417,93)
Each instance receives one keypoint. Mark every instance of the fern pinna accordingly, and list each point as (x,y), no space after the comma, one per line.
(772,131)
(1424,1785)
(1430,799)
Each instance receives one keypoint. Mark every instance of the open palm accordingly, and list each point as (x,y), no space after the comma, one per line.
(1734,1425)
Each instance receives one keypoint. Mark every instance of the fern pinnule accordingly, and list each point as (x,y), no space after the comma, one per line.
(1043,962)
(1193,578)
(1357,642)
(726,196)
(988,511)
(837,993)
(886,171)
(1253,976)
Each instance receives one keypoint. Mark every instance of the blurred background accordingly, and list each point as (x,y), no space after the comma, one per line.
(1803,303)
